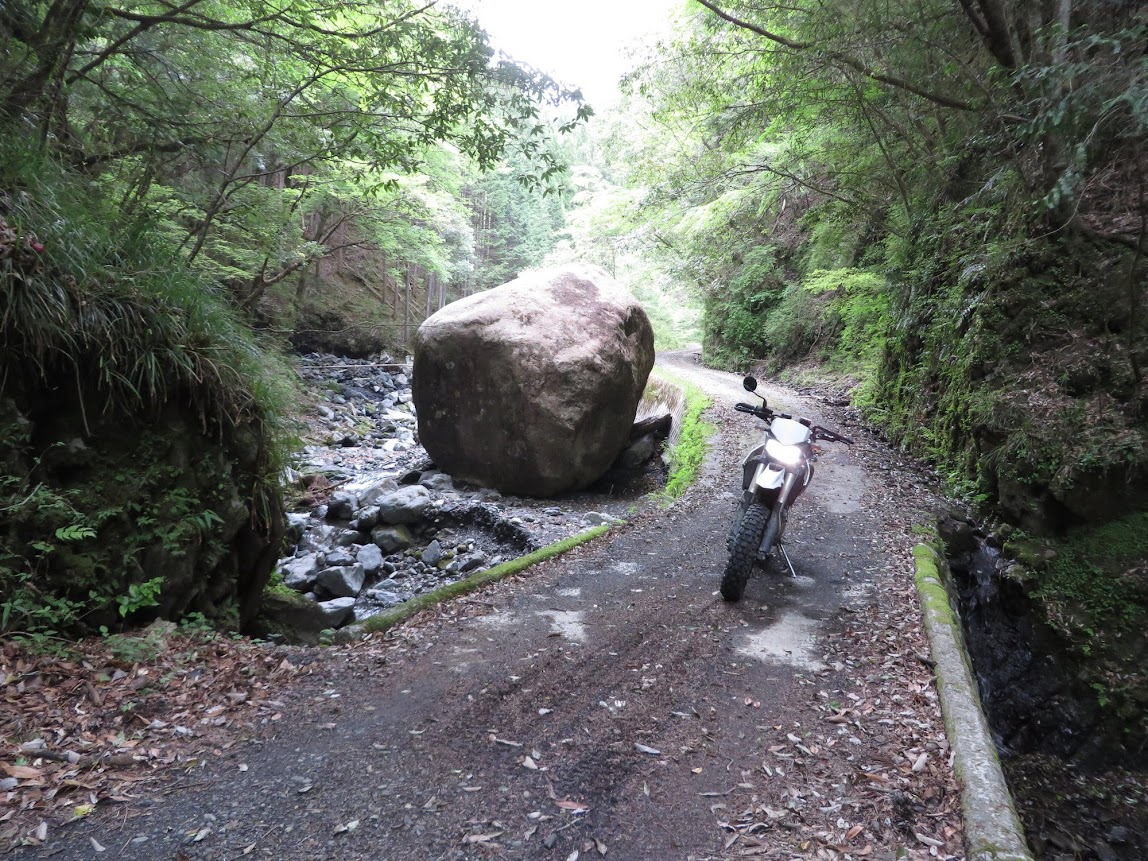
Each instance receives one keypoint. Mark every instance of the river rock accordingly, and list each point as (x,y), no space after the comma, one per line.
(432,554)
(371,558)
(344,581)
(384,596)
(366,519)
(391,539)
(437,482)
(341,506)
(405,505)
(532,387)
(339,556)
(347,537)
(471,561)
(338,611)
(377,490)
(638,452)
(299,574)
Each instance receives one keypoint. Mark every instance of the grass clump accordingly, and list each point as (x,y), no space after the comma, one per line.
(688,452)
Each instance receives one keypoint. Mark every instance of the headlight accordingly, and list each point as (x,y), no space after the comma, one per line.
(790,455)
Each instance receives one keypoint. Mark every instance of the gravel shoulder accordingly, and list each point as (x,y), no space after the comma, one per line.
(608,702)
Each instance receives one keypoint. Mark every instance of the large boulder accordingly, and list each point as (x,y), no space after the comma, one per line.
(531,388)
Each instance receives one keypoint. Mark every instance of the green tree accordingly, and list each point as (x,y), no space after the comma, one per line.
(227,115)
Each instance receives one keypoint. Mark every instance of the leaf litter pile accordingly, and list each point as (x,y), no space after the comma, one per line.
(90,725)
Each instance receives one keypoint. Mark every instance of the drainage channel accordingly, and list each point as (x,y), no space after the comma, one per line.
(1079,779)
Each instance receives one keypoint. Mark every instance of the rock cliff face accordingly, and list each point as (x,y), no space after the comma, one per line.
(531,388)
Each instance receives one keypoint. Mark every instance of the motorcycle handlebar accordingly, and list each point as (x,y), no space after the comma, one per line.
(818,431)
(825,433)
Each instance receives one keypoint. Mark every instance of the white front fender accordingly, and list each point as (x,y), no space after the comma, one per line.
(767,477)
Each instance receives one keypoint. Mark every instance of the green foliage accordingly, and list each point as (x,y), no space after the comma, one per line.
(139,596)
(1092,582)
(135,348)
(947,235)
(688,454)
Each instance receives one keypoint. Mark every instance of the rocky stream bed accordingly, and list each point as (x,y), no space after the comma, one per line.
(375,523)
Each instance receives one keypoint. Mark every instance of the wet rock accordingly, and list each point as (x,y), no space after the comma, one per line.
(391,539)
(318,538)
(296,525)
(344,581)
(957,533)
(371,558)
(405,505)
(337,612)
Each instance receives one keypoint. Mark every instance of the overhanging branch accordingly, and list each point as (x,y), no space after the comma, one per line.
(844,59)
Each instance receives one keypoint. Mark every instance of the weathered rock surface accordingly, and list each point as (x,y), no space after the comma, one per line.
(531,388)
(342,581)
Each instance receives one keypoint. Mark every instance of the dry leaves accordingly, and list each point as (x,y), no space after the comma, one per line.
(86,727)
(874,775)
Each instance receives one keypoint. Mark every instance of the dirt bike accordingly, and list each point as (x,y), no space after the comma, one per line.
(774,474)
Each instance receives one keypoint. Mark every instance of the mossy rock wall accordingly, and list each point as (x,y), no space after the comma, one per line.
(144,498)
(1017,372)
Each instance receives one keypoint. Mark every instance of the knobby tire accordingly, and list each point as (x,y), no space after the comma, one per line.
(744,552)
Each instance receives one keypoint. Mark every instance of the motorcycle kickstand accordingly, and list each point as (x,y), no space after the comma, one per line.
(781,547)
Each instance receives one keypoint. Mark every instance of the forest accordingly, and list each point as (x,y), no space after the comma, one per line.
(936,209)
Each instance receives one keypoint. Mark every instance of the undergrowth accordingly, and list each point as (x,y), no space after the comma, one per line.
(1096,581)
(689,452)
(139,420)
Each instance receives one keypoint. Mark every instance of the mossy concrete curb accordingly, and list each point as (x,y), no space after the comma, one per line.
(383,622)
(992,828)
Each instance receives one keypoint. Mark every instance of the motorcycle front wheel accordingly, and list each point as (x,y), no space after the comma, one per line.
(743,553)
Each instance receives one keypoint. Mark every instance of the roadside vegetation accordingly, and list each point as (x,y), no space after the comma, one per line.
(937,210)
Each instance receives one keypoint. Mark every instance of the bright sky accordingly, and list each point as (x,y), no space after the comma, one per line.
(580,42)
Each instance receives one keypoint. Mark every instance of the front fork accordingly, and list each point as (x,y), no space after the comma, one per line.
(773,490)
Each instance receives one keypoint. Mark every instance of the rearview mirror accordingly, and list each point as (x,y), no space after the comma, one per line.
(750,384)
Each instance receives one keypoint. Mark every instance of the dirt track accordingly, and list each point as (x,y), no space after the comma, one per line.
(609,702)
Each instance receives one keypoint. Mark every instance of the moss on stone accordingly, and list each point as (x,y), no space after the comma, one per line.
(385,621)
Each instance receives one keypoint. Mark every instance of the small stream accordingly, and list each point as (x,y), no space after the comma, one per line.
(1077,777)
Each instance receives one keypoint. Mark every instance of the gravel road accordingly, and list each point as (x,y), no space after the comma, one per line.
(609,703)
